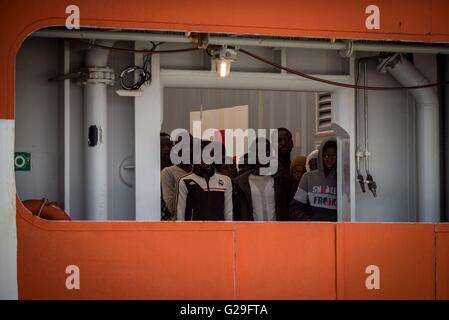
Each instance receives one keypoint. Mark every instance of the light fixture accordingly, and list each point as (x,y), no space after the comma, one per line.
(222,60)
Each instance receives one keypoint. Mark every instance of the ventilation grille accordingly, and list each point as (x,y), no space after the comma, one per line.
(323,112)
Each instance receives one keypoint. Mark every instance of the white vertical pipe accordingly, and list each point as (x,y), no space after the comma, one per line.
(428,153)
(284,59)
(148,113)
(96,157)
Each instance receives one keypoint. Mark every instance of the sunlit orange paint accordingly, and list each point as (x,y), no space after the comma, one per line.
(423,20)
(404,253)
(442,261)
(125,260)
(285,261)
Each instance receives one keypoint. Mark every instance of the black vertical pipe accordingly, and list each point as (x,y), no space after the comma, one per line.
(444,179)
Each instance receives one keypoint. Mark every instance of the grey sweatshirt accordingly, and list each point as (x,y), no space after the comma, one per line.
(170,177)
(316,197)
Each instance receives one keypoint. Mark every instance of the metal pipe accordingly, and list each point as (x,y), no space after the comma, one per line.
(358,154)
(428,153)
(240,41)
(98,57)
(95,128)
(246,80)
(110,35)
(365,115)
(372,186)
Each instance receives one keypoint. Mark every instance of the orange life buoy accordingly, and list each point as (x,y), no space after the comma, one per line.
(45,209)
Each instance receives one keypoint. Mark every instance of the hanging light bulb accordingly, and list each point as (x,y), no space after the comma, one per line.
(223,61)
(223,67)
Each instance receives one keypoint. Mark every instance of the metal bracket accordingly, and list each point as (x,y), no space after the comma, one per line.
(103,75)
(388,63)
(349,51)
(73,75)
(203,40)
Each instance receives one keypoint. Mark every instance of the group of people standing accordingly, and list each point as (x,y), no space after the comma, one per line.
(302,189)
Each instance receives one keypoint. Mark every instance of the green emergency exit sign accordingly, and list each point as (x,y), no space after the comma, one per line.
(22,161)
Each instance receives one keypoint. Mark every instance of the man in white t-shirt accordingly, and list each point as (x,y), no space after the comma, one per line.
(261,197)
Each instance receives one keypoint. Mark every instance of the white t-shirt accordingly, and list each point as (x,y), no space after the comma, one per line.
(262,195)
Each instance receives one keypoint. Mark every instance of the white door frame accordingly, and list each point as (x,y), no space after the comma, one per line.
(342,112)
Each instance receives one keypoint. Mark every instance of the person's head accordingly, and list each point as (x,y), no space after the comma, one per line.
(261,144)
(329,155)
(285,143)
(229,170)
(312,161)
(298,168)
(264,157)
(244,165)
(166,145)
(204,169)
(182,152)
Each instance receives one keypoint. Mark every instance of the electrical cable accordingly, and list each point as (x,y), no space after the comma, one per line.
(145,70)
(356,96)
(335,83)
(360,179)
(276,65)
(209,53)
(144,74)
(152,51)
(365,115)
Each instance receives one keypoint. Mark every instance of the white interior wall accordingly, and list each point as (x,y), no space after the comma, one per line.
(267,110)
(37,119)
(38,128)
(148,114)
(121,121)
(390,154)
(190,60)
(76,179)
(392,143)
(316,61)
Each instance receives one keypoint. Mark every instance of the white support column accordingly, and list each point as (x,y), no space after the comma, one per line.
(284,59)
(8,233)
(343,125)
(148,115)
